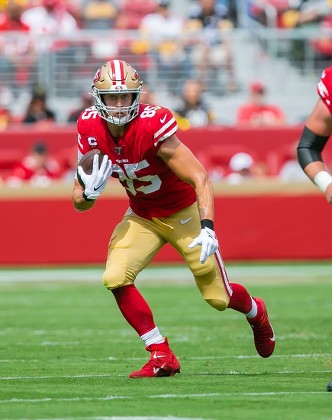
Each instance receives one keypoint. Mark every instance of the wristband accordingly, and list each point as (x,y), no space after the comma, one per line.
(323,179)
(86,198)
(207,223)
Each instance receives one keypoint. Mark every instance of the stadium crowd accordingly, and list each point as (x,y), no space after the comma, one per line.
(186,64)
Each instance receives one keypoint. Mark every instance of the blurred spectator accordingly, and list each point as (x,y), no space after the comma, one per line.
(37,168)
(290,169)
(75,8)
(86,102)
(10,19)
(163,31)
(313,14)
(51,17)
(242,168)
(257,112)
(5,118)
(37,110)
(69,162)
(15,49)
(289,13)
(322,45)
(193,112)
(303,12)
(148,96)
(210,21)
(6,99)
(99,14)
(132,12)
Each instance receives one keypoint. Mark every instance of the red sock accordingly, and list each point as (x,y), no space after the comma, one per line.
(134,308)
(240,299)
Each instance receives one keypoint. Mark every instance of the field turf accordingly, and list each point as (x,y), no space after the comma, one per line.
(65,351)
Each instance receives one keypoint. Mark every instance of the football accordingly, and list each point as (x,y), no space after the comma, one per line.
(87,162)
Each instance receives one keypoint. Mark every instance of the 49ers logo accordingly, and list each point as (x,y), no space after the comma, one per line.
(135,75)
(96,76)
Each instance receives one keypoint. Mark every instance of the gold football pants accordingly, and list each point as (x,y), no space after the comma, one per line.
(135,241)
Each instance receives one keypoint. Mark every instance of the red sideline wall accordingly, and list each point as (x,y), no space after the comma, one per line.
(264,227)
(212,145)
(47,230)
(260,141)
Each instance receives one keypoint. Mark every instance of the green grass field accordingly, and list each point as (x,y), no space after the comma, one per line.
(65,351)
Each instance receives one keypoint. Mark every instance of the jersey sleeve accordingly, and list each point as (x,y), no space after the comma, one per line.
(86,124)
(324,88)
(164,126)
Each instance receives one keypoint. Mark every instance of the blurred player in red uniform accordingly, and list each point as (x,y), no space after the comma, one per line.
(316,133)
(171,200)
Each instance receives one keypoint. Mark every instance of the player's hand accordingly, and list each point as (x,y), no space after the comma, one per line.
(208,241)
(96,182)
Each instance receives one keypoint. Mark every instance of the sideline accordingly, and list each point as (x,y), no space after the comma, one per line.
(179,274)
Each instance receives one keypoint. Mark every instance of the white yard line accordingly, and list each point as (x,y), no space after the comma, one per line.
(163,396)
(238,357)
(107,375)
(123,418)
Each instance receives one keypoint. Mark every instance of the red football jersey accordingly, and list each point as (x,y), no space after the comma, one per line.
(324,88)
(153,189)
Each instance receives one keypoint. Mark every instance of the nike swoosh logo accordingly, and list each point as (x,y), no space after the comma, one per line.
(156,370)
(97,188)
(155,356)
(184,221)
(162,120)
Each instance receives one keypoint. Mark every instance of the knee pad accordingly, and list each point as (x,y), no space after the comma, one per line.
(113,278)
(213,288)
(199,269)
(218,304)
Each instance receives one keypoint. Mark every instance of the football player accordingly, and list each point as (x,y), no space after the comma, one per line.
(170,201)
(315,134)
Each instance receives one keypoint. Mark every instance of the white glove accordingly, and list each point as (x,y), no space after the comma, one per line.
(207,239)
(96,182)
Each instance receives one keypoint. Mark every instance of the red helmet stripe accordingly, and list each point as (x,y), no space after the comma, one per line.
(117,72)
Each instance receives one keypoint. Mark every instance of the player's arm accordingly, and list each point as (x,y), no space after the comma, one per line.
(316,133)
(187,167)
(94,183)
(80,203)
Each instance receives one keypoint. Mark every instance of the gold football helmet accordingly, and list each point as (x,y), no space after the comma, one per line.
(117,76)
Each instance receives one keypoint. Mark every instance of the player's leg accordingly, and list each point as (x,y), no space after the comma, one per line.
(255,310)
(213,283)
(133,244)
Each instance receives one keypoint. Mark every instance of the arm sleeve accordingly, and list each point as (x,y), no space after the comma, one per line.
(310,147)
